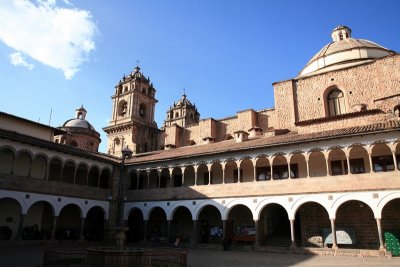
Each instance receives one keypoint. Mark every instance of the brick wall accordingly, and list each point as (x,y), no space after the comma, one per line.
(313,218)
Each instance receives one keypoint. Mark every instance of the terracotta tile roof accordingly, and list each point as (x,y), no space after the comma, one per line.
(230,145)
(14,136)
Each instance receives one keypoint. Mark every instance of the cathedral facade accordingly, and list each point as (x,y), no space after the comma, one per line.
(319,169)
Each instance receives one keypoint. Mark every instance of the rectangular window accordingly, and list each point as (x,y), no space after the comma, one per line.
(281,171)
(357,166)
(339,167)
(383,163)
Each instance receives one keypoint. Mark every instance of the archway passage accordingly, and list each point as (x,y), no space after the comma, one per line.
(357,220)
(69,223)
(158,225)
(240,225)
(391,226)
(182,224)
(10,212)
(136,226)
(38,221)
(210,226)
(312,220)
(94,224)
(274,226)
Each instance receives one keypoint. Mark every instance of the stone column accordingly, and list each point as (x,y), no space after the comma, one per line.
(223,229)
(292,234)
(394,159)
(307,158)
(82,227)
(171,178)
(194,241)
(328,173)
(183,175)
(53,232)
(20,226)
(271,162)
(254,170)
(209,173)
(370,161)
(159,178)
(195,167)
(380,234)
(238,170)
(347,153)
(145,230)
(223,172)
(257,234)
(333,227)
(169,229)
(138,179)
(148,172)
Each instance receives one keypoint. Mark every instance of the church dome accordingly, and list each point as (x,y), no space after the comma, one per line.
(79,121)
(344,51)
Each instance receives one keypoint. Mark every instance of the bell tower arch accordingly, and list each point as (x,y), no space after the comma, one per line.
(132,120)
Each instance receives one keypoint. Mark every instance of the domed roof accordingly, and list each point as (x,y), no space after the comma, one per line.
(344,51)
(79,121)
(183,101)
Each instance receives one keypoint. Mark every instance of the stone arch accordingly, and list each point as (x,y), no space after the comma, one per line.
(22,163)
(165,179)
(337,161)
(350,197)
(93,176)
(274,224)
(382,158)
(317,163)
(122,108)
(133,179)
(68,172)
(39,166)
(181,223)
(311,218)
(93,229)
(298,165)
(7,156)
(358,218)
(136,230)
(240,222)
(384,201)
(202,174)
(216,173)
(210,219)
(189,176)
(38,222)
(157,222)
(359,159)
(82,172)
(10,211)
(269,201)
(177,176)
(279,167)
(55,169)
(263,168)
(143,110)
(105,177)
(203,205)
(231,171)
(246,170)
(69,222)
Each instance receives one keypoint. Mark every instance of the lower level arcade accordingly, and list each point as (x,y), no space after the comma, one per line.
(360,219)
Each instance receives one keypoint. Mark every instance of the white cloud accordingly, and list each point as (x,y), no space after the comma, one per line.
(18,60)
(59,37)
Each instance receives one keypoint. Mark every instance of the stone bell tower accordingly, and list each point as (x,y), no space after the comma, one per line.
(132,121)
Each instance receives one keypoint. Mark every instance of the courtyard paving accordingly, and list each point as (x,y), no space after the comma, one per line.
(31,256)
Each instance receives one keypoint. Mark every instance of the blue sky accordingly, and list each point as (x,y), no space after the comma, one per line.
(59,55)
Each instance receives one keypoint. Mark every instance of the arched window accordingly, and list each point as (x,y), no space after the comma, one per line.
(336,103)
(122,108)
(142,110)
(397,111)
